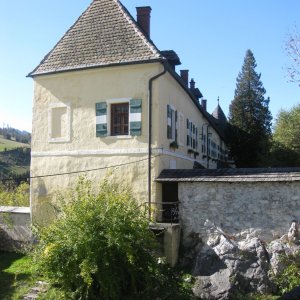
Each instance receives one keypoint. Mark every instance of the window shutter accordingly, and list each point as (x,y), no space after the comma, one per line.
(169,122)
(188,132)
(135,117)
(194,142)
(176,126)
(196,138)
(191,134)
(101,119)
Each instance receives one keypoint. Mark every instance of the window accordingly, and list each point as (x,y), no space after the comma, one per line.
(59,122)
(181,129)
(119,119)
(172,129)
(192,135)
(204,143)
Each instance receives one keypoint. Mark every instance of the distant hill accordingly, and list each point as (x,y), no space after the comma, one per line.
(14,153)
(6,144)
(14,134)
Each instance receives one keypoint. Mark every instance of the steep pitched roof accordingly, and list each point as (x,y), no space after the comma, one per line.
(219,119)
(219,114)
(105,34)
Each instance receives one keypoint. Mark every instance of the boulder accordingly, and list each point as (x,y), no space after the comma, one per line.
(224,267)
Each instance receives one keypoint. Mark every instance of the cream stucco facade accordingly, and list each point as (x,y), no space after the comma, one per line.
(64,140)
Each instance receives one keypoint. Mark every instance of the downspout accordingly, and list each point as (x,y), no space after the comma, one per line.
(150,134)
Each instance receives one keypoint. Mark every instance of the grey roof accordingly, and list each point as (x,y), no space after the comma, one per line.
(219,114)
(105,34)
(230,175)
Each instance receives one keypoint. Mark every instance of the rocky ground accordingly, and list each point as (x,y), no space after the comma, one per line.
(226,265)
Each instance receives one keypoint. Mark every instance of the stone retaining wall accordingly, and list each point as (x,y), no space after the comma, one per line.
(14,227)
(262,209)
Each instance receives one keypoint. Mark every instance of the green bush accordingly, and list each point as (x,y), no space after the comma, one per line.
(100,246)
(11,195)
(289,277)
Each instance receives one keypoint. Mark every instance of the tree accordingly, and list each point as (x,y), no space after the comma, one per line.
(292,48)
(286,138)
(249,117)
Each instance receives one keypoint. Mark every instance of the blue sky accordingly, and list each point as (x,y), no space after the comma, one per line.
(211,37)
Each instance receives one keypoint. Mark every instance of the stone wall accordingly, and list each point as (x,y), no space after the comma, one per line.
(14,227)
(238,209)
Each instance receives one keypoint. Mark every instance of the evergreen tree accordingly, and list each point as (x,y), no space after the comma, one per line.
(249,117)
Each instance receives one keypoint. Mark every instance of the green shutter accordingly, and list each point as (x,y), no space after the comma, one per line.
(176,125)
(188,132)
(101,119)
(169,122)
(135,117)
(194,140)
(101,108)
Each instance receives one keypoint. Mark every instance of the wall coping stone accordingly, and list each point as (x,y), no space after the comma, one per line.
(15,209)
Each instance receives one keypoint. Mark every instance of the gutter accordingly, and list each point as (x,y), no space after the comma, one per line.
(33,74)
(150,133)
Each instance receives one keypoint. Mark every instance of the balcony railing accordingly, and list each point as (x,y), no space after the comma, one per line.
(165,212)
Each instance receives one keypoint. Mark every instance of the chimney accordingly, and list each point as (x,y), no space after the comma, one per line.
(204,104)
(184,74)
(192,84)
(143,19)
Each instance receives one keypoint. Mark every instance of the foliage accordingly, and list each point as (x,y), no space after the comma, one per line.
(16,275)
(15,134)
(15,163)
(249,117)
(251,296)
(6,144)
(287,133)
(289,277)
(12,195)
(292,49)
(174,145)
(282,156)
(100,247)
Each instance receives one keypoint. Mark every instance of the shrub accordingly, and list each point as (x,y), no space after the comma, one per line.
(100,246)
(11,195)
(289,277)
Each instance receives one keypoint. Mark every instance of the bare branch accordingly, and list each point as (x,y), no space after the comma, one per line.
(292,49)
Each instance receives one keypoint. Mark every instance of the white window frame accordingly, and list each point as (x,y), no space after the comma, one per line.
(51,107)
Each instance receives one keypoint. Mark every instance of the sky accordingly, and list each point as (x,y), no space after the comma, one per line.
(211,38)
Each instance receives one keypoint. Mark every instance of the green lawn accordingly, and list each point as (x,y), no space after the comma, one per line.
(16,278)
(9,144)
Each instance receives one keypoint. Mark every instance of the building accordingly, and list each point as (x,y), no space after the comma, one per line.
(105,98)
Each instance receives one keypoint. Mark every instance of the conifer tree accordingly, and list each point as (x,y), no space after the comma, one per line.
(249,117)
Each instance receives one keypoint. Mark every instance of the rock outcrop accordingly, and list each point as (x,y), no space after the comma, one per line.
(227,265)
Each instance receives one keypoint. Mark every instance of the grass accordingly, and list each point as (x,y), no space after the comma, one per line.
(9,144)
(14,162)
(16,275)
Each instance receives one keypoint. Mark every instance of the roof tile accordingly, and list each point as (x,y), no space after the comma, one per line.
(104,34)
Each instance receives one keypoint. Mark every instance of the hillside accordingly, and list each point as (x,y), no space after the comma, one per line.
(14,159)
(6,144)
